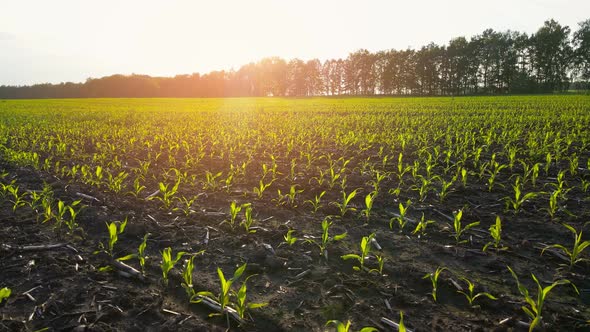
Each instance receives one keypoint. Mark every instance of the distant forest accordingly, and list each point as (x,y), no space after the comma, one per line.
(552,59)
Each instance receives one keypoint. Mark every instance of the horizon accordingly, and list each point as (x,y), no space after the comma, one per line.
(66,41)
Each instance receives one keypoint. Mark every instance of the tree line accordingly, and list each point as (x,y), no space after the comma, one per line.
(549,60)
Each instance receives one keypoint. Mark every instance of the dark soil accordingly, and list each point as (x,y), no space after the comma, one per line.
(63,289)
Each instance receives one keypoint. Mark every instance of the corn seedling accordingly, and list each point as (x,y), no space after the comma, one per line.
(35,200)
(71,222)
(211,180)
(289,238)
(496,234)
(248,219)
(18,199)
(578,247)
(315,203)
(334,176)
(421,226)
(535,305)
(115,183)
(458,227)
(292,195)
(574,163)
(380,262)
(234,210)
(369,200)
(47,210)
(493,173)
(402,326)
(61,211)
(464,177)
(326,239)
(345,327)
(401,219)
(168,263)
(5,294)
(553,203)
(115,228)
(186,205)
(365,250)
(187,277)
(137,187)
(320,179)
(434,280)
(167,193)
(547,163)
(471,296)
(379,177)
(242,306)
(261,188)
(516,202)
(344,205)
(225,289)
(141,255)
(444,189)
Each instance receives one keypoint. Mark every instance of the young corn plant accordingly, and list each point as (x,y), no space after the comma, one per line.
(401,219)
(578,247)
(334,176)
(167,193)
(535,305)
(458,227)
(344,205)
(115,183)
(60,216)
(493,173)
(292,195)
(71,222)
(464,177)
(496,234)
(445,188)
(243,306)
(248,219)
(5,294)
(141,255)
(316,202)
(225,290)
(555,199)
(471,296)
(261,188)
(186,205)
(369,200)
(424,188)
(365,250)
(345,327)
(421,226)
(187,277)
(211,180)
(168,263)
(35,200)
(519,199)
(326,240)
(115,229)
(402,326)
(289,238)
(18,199)
(137,187)
(46,203)
(434,280)
(547,163)
(234,210)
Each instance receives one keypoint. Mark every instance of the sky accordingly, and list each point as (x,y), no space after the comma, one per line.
(71,40)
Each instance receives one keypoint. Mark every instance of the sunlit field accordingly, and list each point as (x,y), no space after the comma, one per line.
(466,213)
